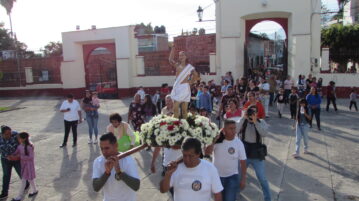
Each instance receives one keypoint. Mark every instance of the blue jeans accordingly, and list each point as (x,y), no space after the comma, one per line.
(92,123)
(230,187)
(259,168)
(301,132)
(6,169)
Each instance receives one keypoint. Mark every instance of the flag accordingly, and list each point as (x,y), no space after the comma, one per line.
(7,4)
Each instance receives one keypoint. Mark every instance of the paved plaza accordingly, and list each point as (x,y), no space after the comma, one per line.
(330,172)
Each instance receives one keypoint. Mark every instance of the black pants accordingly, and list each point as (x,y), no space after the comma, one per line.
(293,110)
(271,98)
(331,99)
(355,105)
(286,95)
(315,112)
(73,126)
(159,106)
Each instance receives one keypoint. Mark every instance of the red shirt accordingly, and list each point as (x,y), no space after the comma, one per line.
(164,92)
(260,109)
(237,113)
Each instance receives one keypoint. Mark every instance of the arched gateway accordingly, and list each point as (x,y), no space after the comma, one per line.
(299,19)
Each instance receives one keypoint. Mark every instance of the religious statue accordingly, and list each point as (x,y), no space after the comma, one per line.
(186,75)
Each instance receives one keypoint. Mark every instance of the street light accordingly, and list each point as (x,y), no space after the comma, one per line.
(200,13)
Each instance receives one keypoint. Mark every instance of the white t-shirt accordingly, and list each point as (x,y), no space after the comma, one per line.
(115,190)
(226,156)
(265,86)
(288,84)
(170,155)
(196,183)
(73,114)
(142,94)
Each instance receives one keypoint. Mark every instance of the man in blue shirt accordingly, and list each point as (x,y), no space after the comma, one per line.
(205,100)
(8,145)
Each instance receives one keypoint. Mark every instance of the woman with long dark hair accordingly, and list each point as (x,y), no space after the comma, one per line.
(314,101)
(90,104)
(302,127)
(149,108)
(135,113)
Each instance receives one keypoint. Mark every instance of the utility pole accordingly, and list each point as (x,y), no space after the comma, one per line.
(16,50)
(17,60)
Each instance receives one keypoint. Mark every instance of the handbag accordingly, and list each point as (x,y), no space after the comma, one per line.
(256,150)
(124,143)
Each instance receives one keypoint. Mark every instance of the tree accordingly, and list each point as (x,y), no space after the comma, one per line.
(340,15)
(325,15)
(194,31)
(202,31)
(160,29)
(7,4)
(343,42)
(53,49)
(6,42)
(163,29)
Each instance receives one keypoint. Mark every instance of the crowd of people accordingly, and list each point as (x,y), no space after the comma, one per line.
(190,172)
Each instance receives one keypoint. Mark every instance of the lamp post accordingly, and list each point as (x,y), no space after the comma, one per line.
(200,13)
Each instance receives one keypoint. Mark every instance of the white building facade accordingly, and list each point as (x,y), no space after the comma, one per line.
(299,19)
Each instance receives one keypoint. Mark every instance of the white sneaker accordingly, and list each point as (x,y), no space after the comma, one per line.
(95,141)
(90,141)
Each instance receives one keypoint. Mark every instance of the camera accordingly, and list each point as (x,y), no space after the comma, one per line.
(250,112)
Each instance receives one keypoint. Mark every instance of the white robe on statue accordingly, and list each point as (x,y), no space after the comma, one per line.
(182,92)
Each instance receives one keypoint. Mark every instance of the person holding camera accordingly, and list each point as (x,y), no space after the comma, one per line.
(261,114)
(252,131)
(72,116)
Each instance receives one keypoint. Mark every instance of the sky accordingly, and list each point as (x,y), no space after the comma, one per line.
(37,22)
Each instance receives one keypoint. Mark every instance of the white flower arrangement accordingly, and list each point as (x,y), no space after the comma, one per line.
(168,131)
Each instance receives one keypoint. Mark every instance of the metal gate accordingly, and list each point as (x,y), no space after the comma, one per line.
(101,73)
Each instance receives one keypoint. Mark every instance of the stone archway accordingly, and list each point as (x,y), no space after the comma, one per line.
(265,55)
(100,69)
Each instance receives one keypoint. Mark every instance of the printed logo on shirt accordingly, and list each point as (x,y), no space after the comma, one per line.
(196,185)
(231,150)
(280,97)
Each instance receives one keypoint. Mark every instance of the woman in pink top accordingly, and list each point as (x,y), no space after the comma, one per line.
(233,110)
(25,151)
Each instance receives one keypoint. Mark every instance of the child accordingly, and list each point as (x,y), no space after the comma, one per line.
(25,151)
(193,109)
(281,100)
(293,102)
(302,125)
(353,99)
(203,112)
(205,100)
(95,101)
(95,104)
